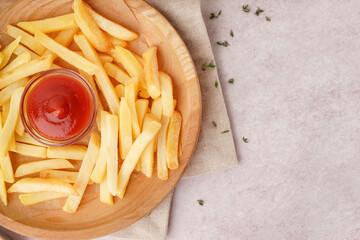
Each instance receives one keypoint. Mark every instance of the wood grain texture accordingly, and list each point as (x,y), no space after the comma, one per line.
(94,219)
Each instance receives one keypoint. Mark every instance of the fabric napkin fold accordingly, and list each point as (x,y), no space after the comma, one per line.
(214,151)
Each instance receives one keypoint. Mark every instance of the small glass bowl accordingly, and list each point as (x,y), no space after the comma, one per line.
(33,131)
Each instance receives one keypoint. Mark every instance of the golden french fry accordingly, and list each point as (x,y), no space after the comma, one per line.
(100,107)
(161,150)
(74,152)
(3,194)
(7,52)
(112,126)
(66,176)
(66,54)
(47,25)
(147,157)
(115,41)
(19,128)
(116,72)
(105,58)
(28,139)
(139,59)
(143,93)
(157,108)
(99,171)
(9,172)
(166,94)
(131,65)
(29,185)
(33,198)
(5,111)
(5,94)
(105,195)
(133,156)
(37,166)
(25,70)
(26,39)
(141,106)
(29,150)
(130,89)
(114,29)
(1,57)
(172,141)
(102,79)
(64,38)
(152,72)
(89,27)
(120,90)
(72,203)
(24,57)
(125,132)
(7,133)
(21,49)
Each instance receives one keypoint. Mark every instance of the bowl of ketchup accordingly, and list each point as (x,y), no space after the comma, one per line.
(58,107)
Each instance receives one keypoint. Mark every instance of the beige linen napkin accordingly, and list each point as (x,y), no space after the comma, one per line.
(214,151)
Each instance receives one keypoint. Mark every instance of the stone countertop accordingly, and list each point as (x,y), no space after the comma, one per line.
(295,97)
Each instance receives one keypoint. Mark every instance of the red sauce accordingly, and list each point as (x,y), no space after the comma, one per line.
(59,107)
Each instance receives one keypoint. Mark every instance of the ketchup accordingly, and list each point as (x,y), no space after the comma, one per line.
(59,107)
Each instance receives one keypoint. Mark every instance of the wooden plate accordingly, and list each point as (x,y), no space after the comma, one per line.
(93,218)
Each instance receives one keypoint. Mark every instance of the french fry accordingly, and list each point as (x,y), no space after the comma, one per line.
(19,128)
(101,77)
(141,106)
(64,38)
(161,150)
(125,132)
(157,108)
(115,41)
(7,52)
(133,156)
(112,126)
(5,94)
(89,27)
(33,198)
(66,54)
(130,99)
(166,94)
(25,70)
(29,150)
(21,49)
(24,57)
(30,185)
(114,29)
(105,195)
(7,133)
(66,176)
(120,90)
(47,25)
(105,58)
(99,171)
(37,166)
(100,107)
(74,152)
(147,157)
(28,139)
(72,203)
(5,111)
(143,93)
(1,57)
(9,173)
(131,65)
(26,39)
(3,194)
(152,72)
(116,72)
(172,141)
(139,59)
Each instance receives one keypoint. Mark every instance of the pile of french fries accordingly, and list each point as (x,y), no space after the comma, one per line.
(136,117)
